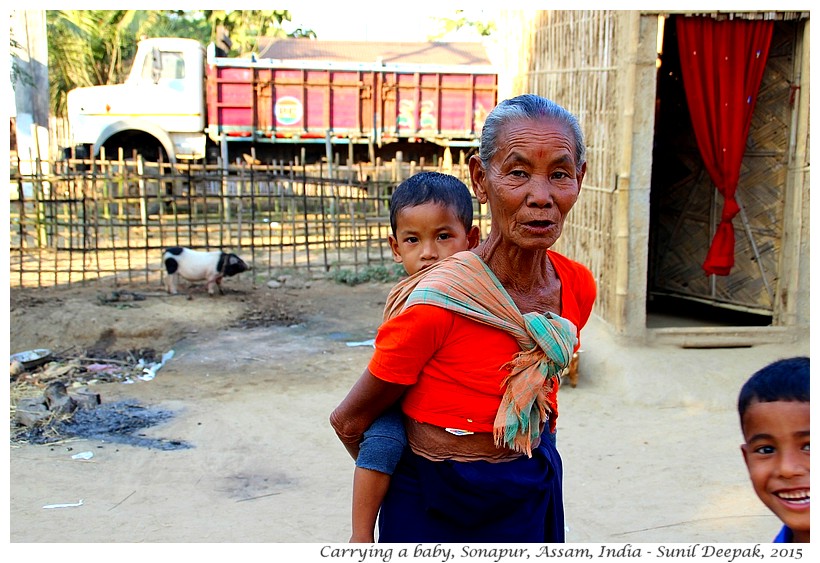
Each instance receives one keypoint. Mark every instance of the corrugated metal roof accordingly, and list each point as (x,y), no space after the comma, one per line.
(303,49)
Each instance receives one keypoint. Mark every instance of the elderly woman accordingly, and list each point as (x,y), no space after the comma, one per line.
(473,348)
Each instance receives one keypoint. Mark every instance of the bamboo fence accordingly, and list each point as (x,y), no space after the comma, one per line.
(108,221)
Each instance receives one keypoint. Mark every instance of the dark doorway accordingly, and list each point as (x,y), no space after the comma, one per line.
(684,204)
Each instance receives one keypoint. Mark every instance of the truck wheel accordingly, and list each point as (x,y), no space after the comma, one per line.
(132,142)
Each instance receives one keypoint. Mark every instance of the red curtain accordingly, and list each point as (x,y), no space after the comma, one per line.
(722,64)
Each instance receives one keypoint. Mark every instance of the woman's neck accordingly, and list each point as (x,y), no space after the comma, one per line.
(527,275)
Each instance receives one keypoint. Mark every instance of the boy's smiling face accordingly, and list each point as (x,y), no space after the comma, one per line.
(777,454)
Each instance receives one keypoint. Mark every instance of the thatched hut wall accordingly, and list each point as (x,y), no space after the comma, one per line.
(603,67)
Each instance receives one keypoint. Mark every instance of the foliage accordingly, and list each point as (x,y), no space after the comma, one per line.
(371,273)
(86,48)
(175,23)
(17,74)
(463,20)
(245,27)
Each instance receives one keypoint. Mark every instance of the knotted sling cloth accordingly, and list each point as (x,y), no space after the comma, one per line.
(464,284)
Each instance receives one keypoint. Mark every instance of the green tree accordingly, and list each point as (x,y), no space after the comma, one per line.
(481,22)
(86,48)
(245,27)
(175,23)
(17,74)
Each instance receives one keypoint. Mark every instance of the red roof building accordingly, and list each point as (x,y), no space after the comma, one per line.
(432,53)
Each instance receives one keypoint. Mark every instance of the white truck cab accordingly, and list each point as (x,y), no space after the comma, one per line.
(160,105)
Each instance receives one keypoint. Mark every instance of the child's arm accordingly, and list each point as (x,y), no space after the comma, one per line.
(379,454)
(369,397)
(369,488)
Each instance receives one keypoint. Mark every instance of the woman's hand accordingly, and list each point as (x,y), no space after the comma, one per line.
(369,397)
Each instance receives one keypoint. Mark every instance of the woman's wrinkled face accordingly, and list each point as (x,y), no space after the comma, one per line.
(531,182)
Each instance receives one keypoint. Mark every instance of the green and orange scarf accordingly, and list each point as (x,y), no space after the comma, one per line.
(464,284)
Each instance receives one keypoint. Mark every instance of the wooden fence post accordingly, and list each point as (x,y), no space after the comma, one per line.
(142,195)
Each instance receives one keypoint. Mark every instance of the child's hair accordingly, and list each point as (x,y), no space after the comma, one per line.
(783,380)
(433,187)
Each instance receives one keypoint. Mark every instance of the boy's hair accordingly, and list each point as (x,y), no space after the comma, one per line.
(433,187)
(783,380)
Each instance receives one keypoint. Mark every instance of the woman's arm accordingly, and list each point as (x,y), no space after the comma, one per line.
(369,397)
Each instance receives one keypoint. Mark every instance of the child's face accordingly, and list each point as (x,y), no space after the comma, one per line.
(427,233)
(777,456)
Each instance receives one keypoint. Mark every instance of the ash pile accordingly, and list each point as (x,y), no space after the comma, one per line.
(53,402)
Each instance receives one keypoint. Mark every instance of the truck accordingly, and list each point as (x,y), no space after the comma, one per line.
(183,101)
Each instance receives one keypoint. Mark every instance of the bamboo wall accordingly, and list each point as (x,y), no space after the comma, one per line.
(583,79)
(602,66)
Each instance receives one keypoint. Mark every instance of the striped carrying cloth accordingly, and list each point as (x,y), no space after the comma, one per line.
(464,284)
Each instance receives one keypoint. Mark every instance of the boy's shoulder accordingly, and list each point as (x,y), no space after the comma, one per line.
(785,536)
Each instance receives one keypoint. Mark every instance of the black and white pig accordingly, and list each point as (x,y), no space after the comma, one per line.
(196,265)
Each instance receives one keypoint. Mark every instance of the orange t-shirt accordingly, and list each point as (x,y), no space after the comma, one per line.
(454,365)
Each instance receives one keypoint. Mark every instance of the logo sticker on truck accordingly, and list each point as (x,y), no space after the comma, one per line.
(288,110)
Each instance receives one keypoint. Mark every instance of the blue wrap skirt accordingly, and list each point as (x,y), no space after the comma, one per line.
(516,501)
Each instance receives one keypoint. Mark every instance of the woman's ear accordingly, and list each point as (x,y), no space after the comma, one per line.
(581,173)
(477,176)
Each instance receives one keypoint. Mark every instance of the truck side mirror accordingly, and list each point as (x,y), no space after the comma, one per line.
(156,65)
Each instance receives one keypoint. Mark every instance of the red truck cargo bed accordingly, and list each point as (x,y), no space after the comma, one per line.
(289,102)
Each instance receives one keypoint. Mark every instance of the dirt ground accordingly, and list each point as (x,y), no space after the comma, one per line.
(649,437)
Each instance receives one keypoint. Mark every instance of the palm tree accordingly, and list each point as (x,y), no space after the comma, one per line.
(86,48)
